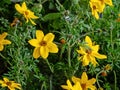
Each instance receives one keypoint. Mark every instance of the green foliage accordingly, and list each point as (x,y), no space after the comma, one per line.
(70,20)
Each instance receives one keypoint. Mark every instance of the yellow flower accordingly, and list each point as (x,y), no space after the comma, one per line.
(69,86)
(43,44)
(10,84)
(89,52)
(85,83)
(96,8)
(3,41)
(107,67)
(29,15)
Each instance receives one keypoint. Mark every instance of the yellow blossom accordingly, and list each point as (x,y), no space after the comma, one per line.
(90,53)
(96,8)
(69,86)
(43,44)
(3,41)
(85,83)
(10,84)
(29,15)
(107,67)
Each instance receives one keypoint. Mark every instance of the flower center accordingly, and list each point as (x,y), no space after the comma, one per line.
(43,43)
(26,12)
(8,83)
(83,86)
(88,51)
(94,7)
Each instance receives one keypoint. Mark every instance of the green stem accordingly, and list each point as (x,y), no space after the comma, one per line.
(69,52)
(115,80)
(60,5)
(97,78)
(51,68)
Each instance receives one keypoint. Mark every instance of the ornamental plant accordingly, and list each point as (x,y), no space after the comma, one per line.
(59,45)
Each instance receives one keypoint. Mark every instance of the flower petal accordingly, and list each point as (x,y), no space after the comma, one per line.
(85,60)
(34,42)
(99,56)
(24,7)
(75,79)
(49,37)
(81,51)
(95,48)
(1,47)
(6,42)
(32,22)
(39,35)
(84,77)
(36,52)
(65,87)
(3,35)
(6,80)
(52,47)
(88,40)
(44,51)
(19,8)
(91,81)
(69,84)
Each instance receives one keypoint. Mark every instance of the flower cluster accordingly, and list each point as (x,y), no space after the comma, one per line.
(97,6)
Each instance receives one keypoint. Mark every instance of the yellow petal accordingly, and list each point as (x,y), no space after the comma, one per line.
(84,77)
(85,60)
(95,48)
(3,35)
(91,81)
(77,86)
(91,87)
(69,84)
(34,42)
(88,40)
(99,56)
(93,60)
(32,22)
(6,42)
(65,87)
(81,51)
(109,2)
(44,51)
(52,47)
(24,6)
(49,37)
(75,79)
(1,47)
(36,52)
(6,80)
(19,8)
(39,35)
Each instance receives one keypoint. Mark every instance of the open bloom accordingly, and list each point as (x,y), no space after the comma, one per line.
(96,8)
(29,15)
(89,52)
(43,44)
(10,84)
(3,41)
(69,86)
(85,83)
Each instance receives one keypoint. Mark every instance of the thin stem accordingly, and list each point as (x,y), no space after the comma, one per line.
(60,4)
(69,53)
(51,68)
(97,78)
(115,78)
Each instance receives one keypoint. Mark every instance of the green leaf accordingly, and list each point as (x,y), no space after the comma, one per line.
(51,16)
